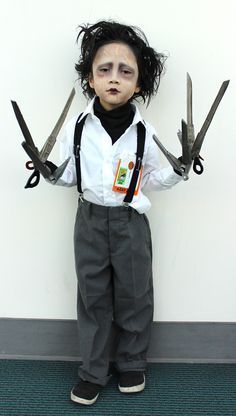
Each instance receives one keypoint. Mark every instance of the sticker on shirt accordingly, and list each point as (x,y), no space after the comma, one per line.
(124,174)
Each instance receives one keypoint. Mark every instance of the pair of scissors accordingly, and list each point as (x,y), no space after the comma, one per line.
(191,146)
(39,159)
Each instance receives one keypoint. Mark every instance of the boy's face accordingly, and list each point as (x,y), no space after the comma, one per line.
(114,75)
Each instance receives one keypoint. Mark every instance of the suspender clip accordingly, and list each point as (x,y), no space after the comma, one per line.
(76,151)
(81,197)
(138,164)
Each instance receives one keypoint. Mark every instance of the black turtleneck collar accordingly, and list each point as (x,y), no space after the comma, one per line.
(116,121)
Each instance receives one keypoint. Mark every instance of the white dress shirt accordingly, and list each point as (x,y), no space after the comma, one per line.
(99,159)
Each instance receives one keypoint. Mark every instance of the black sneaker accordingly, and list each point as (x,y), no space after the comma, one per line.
(85,392)
(131,382)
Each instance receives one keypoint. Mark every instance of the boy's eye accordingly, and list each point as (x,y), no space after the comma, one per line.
(103,69)
(126,71)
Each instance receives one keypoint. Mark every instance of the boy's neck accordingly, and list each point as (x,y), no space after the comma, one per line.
(115,121)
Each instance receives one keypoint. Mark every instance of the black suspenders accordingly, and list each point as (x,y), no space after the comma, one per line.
(77,140)
(141,133)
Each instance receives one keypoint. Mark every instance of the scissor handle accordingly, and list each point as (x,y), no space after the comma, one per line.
(197,165)
(33,179)
(29,165)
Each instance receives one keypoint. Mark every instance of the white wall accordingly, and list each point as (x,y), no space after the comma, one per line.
(193,225)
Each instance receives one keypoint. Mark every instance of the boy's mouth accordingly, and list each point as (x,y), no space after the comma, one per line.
(113,90)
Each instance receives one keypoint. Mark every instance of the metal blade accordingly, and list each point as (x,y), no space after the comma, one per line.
(189,100)
(200,136)
(38,164)
(60,170)
(50,142)
(175,163)
(186,149)
(190,127)
(23,126)
(179,134)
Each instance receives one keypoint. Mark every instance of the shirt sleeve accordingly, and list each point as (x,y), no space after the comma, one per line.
(69,177)
(155,177)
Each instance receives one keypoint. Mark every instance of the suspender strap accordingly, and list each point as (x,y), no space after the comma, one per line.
(141,133)
(77,141)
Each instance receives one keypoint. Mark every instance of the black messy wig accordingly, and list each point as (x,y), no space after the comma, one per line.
(150,63)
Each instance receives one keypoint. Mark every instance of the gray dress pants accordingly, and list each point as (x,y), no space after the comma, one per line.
(113,257)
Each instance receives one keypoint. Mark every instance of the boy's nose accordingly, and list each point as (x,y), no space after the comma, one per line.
(114,77)
(114,81)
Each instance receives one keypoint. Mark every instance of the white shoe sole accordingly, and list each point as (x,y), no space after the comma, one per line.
(133,389)
(86,402)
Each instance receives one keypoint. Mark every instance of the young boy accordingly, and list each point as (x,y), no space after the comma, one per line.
(113,161)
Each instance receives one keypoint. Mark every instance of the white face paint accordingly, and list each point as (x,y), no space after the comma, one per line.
(114,75)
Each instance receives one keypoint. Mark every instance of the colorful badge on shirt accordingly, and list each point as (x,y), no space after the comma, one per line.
(124,173)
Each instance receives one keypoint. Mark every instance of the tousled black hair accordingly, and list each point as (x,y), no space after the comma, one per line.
(150,63)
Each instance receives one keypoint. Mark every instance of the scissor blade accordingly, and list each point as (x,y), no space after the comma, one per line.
(186,151)
(189,100)
(60,170)
(190,127)
(50,142)
(175,163)
(200,136)
(38,164)
(23,125)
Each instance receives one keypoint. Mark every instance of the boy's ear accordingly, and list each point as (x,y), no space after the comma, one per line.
(137,89)
(90,80)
